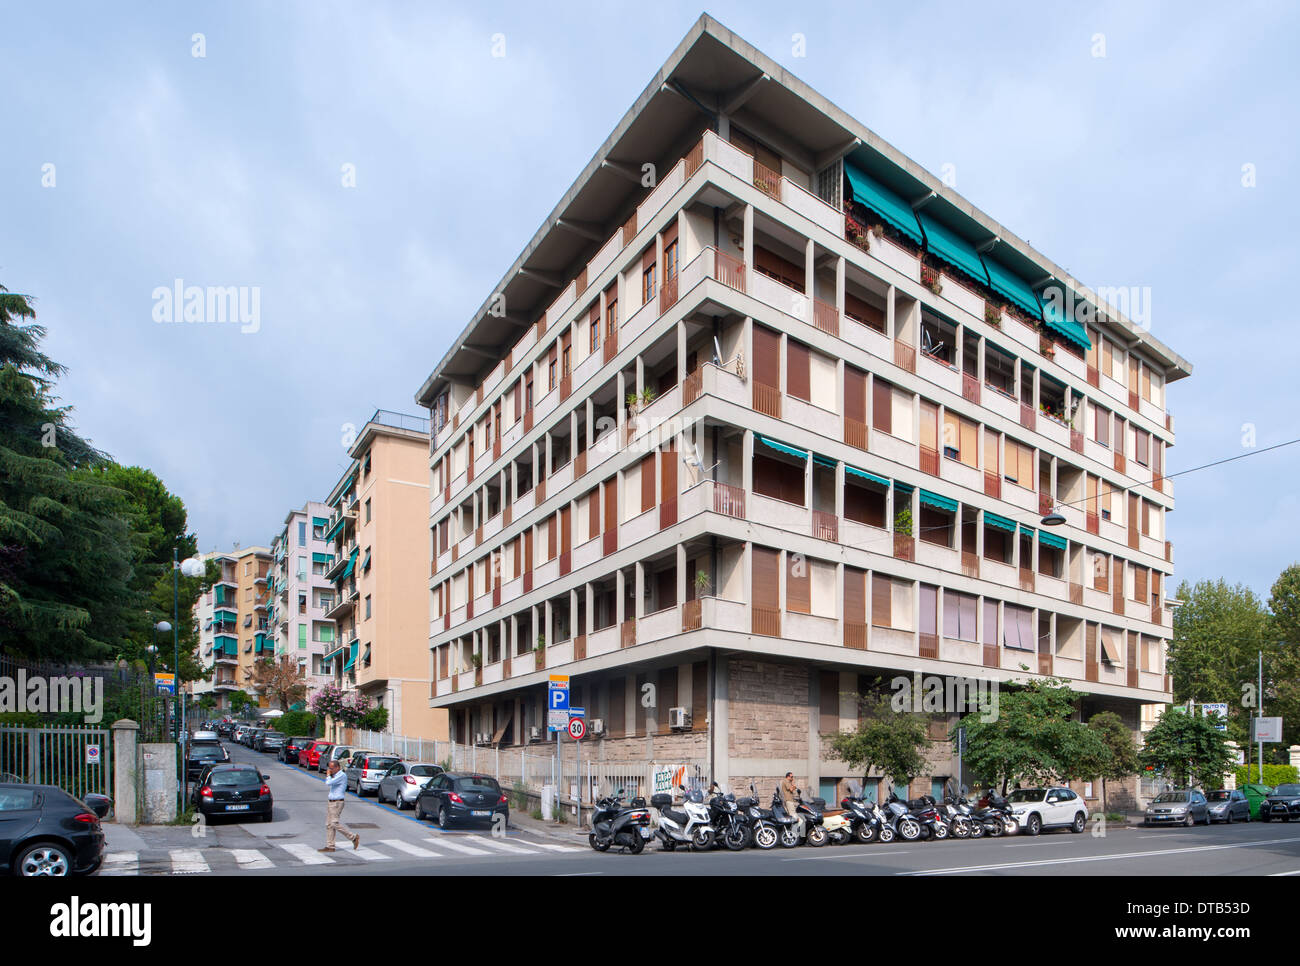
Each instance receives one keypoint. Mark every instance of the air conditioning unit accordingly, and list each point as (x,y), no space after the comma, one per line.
(534,734)
(679,719)
(597,728)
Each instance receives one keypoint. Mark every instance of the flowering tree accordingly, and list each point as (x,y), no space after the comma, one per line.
(342,706)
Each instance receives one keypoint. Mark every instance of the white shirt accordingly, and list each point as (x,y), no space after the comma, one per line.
(337,785)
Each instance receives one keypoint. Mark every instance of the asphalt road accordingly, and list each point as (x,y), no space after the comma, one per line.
(395,843)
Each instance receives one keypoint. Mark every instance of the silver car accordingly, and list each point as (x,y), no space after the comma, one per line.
(1183,806)
(366,769)
(1228,805)
(339,753)
(402,783)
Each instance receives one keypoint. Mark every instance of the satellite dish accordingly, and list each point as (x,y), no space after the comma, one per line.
(928,345)
(717,352)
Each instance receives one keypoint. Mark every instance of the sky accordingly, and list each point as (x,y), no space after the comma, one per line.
(371,170)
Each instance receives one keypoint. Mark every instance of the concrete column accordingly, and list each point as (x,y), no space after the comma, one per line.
(839,285)
(747,240)
(889,313)
(620,592)
(839,603)
(981,347)
(638,589)
(814,734)
(718,731)
(682,576)
(591,603)
(547,623)
(839,490)
(808,482)
(681,339)
(126,775)
(574,629)
(747,462)
(809,270)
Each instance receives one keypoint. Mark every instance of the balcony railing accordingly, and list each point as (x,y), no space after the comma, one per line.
(905,356)
(627,633)
(767,400)
(855,433)
(692,619)
(729,500)
(970,388)
(992,484)
(929,460)
(855,635)
(767,181)
(826,317)
(692,387)
(766,621)
(825,526)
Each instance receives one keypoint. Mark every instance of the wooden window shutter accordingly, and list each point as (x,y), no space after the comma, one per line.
(798,585)
(668,473)
(797,380)
(593,512)
(1140,585)
(930,424)
(766,585)
(550,536)
(969,448)
(648,483)
(1132,373)
(528,550)
(829,700)
(699,695)
(566,529)
(882,406)
(991,462)
(617,708)
(881,600)
(610,501)
(648,258)
(767,357)
(855,394)
(855,594)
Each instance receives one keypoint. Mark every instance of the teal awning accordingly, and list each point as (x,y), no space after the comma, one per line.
(365,564)
(1051,540)
(334,530)
(903,488)
(1061,322)
(352,657)
(298,706)
(1007,283)
(823,461)
(1002,523)
(782,448)
(348,569)
(1027,531)
(938,502)
(869,477)
(320,522)
(952,248)
(347,485)
(874,195)
(225,615)
(325,558)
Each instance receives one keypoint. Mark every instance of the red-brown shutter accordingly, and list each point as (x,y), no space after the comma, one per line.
(593,512)
(797,379)
(611,504)
(881,601)
(798,586)
(566,529)
(767,357)
(668,473)
(528,550)
(648,483)
(855,594)
(766,580)
(550,536)
(882,406)
(855,394)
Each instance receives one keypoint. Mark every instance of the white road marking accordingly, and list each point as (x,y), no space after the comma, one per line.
(846,855)
(556,848)
(251,859)
(305,853)
(495,843)
(188,862)
(1095,858)
(1292,872)
(120,863)
(445,842)
(410,849)
(370,855)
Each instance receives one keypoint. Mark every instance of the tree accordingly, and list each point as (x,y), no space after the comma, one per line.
(278,678)
(1187,749)
(376,719)
(1282,654)
(1121,758)
(893,742)
(1034,738)
(65,548)
(240,702)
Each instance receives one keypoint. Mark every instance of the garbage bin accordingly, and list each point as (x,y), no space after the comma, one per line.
(1255,794)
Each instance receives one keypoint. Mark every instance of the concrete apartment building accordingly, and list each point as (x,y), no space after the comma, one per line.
(378,518)
(300,595)
(233,627)
(785,422)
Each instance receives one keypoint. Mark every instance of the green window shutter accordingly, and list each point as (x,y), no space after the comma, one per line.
(302,636)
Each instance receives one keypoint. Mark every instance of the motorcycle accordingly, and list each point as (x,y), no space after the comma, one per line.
(615,824)
(958,815)
(769,830)
(899,818)
(813,817)
(839,827)
(996,816)
(688,825)
(728,822)
(933,823)
(865,823)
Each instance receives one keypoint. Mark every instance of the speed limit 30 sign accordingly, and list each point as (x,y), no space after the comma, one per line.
(577,728)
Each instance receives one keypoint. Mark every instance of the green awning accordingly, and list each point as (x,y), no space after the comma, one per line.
(903,488)
(874,195)
(325,558)
(1061,322)
(869,477)
(1051,540)
(365,564)
(1002,523)
(1027,531)
(320,521)
(347,485)
(348,569)
(952,248)
(938,502)
(225,615)
(782,448)
(352,657)
(1007,283)
(823,461)
(298,706)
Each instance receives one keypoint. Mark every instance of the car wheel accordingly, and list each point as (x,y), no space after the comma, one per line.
(44,859)
(419,812)
(1189,821)
(1080,823)
(1035,824)
(1229,820)
(443,822)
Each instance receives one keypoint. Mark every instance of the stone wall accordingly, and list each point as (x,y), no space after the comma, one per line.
(767,711)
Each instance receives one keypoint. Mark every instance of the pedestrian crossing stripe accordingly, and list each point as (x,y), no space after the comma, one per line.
(251,859)
(410,849)
(188,862)
(120,863)
(305,853)
(370,855)
(505,846)
(446,842)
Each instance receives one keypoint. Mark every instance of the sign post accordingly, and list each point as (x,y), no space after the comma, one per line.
(557,719)
(577,728)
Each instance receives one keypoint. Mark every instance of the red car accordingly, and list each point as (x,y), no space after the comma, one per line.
(309,756)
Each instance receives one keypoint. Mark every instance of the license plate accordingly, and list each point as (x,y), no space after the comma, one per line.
(236,808)
(645,831)
(480,814)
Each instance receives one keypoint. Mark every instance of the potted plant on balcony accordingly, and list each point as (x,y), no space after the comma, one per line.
(856,232)
(539,651)
(931,279)
(903,521)
(648,396)
(633,403)
(878,230)
(701,583)
(993,314)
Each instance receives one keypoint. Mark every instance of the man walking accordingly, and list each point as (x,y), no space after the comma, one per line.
(336,785)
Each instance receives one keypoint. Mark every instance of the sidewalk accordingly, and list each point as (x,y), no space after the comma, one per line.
(567,834)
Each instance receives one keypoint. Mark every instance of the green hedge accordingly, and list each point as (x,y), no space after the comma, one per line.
(298,723)
(1274,775)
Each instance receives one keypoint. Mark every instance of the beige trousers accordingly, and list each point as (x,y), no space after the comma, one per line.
(333,810)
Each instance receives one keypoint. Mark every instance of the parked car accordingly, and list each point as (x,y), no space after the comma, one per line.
(203,753)
(1054,807)
(1283,805)
(292,748)
(1228,805)
(340,753)
(235,789)
(309,754)
(454,799)
(366,768)
(251,736)
(224,728)
(1183,806)
(403,781)
(269,741)
(46,831)
(207,734)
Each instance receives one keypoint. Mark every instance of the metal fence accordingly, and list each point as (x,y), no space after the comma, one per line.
(78,760)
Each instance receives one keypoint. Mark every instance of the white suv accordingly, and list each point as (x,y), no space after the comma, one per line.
(1053,807)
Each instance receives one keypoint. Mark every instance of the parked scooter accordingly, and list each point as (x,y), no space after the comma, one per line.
(933,823)
(900,819)
(619,825)
(769,828)
(865,824)
(729,825)
(996,816)
(812,815)
(688,825)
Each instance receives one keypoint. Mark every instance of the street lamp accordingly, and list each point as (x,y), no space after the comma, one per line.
(1054,518)
(191,567)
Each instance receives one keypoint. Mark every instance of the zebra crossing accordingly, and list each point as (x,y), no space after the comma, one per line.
(287,855)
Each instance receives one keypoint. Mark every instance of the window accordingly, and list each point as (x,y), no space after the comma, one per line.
(367,607)
(302,603)
(1101,572)
(1101,425)
(882,406)
(595,335)
(367,510)
(1110,653)
(528,392)
(550,374)
(997,544)
(861,311)
(1019,460)
(797,371)
(1141,445)
(611,317)
(302,568)
(566,360)
(959,612)
(960,438)
(936,526)
(302,637)
(863,504)
(1018,628)
(670,261)
(648,282)
(798,585)
(302,532)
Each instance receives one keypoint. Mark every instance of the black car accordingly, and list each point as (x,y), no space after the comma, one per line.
(270,741)
(234,789)
(45,831)
(224,728)
(290,749)
(1283,805)
(203,753)
(454,798)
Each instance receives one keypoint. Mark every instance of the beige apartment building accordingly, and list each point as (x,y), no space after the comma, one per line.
(232,623)
(377,525)
(727,448)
